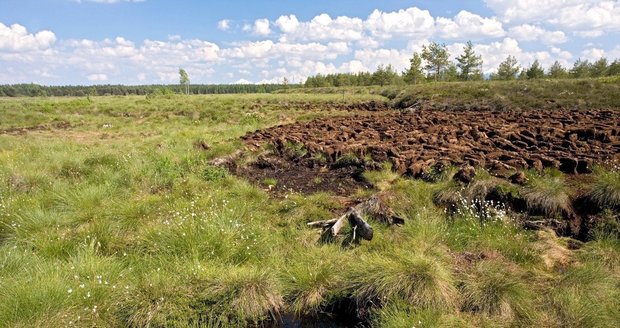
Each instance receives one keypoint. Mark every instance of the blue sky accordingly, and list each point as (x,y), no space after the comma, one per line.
(143,42)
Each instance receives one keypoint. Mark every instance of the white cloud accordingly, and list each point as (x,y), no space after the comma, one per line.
(593,54)
(466,25)
(353,66)
(242,81)
(223,25)
(496,52)
(589,34)
(528,10)
(287,24)
(261,27)
(562,56)
(571,15)
(527,32)
(371,59)
(604,15)
(97,77)
(320,28)
(412,22)
(16,38)
(272,50)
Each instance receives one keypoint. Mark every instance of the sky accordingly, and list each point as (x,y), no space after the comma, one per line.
(69,42)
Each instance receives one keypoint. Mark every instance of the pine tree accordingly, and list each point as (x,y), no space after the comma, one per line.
(535,71)
(469,63)
(508,69)
(384,75)
(414,74)
(436,58)
(557,71)
(599,68)
(581,69)
(614,68)
(452,73)
(184,79)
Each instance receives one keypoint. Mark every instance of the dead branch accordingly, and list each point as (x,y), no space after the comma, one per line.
(375,208)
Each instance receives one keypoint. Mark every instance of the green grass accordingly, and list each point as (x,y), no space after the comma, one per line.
(605,190)
(547,194)
(119,221)
(420,280)
(542,93)
(493,289)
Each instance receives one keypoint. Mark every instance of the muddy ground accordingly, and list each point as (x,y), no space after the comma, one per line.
(282,175)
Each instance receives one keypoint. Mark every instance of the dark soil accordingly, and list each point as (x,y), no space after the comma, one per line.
(291,176)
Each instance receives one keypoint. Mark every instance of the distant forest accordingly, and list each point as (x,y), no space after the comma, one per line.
(432,64)
(35,90)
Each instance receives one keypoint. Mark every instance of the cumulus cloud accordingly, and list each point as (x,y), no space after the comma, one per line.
(573,15)
(321,27)
(529,10)
(466,25)
(16,38)
(411,22)
(371,59)
(527,32)
(288,24)
(496,52)
(562,56)
(593,54)
(271,49)
(242,81)
(223,25)
(261,27)
(353,66)
(602,15)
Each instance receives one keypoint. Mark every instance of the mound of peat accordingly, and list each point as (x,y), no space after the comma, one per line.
(415,141)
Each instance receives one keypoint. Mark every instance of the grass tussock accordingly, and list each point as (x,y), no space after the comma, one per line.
(605,190)
(418,279)
(547,194)
(246,294)
(310,287)
(493,289)
(586,296)
(382,179)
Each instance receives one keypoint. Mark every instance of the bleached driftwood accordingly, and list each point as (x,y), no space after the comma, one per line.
(374,207)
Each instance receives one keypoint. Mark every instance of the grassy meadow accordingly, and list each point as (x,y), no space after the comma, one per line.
(111,216)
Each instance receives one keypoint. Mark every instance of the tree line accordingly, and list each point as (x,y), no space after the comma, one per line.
(433,64)
(35,90)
